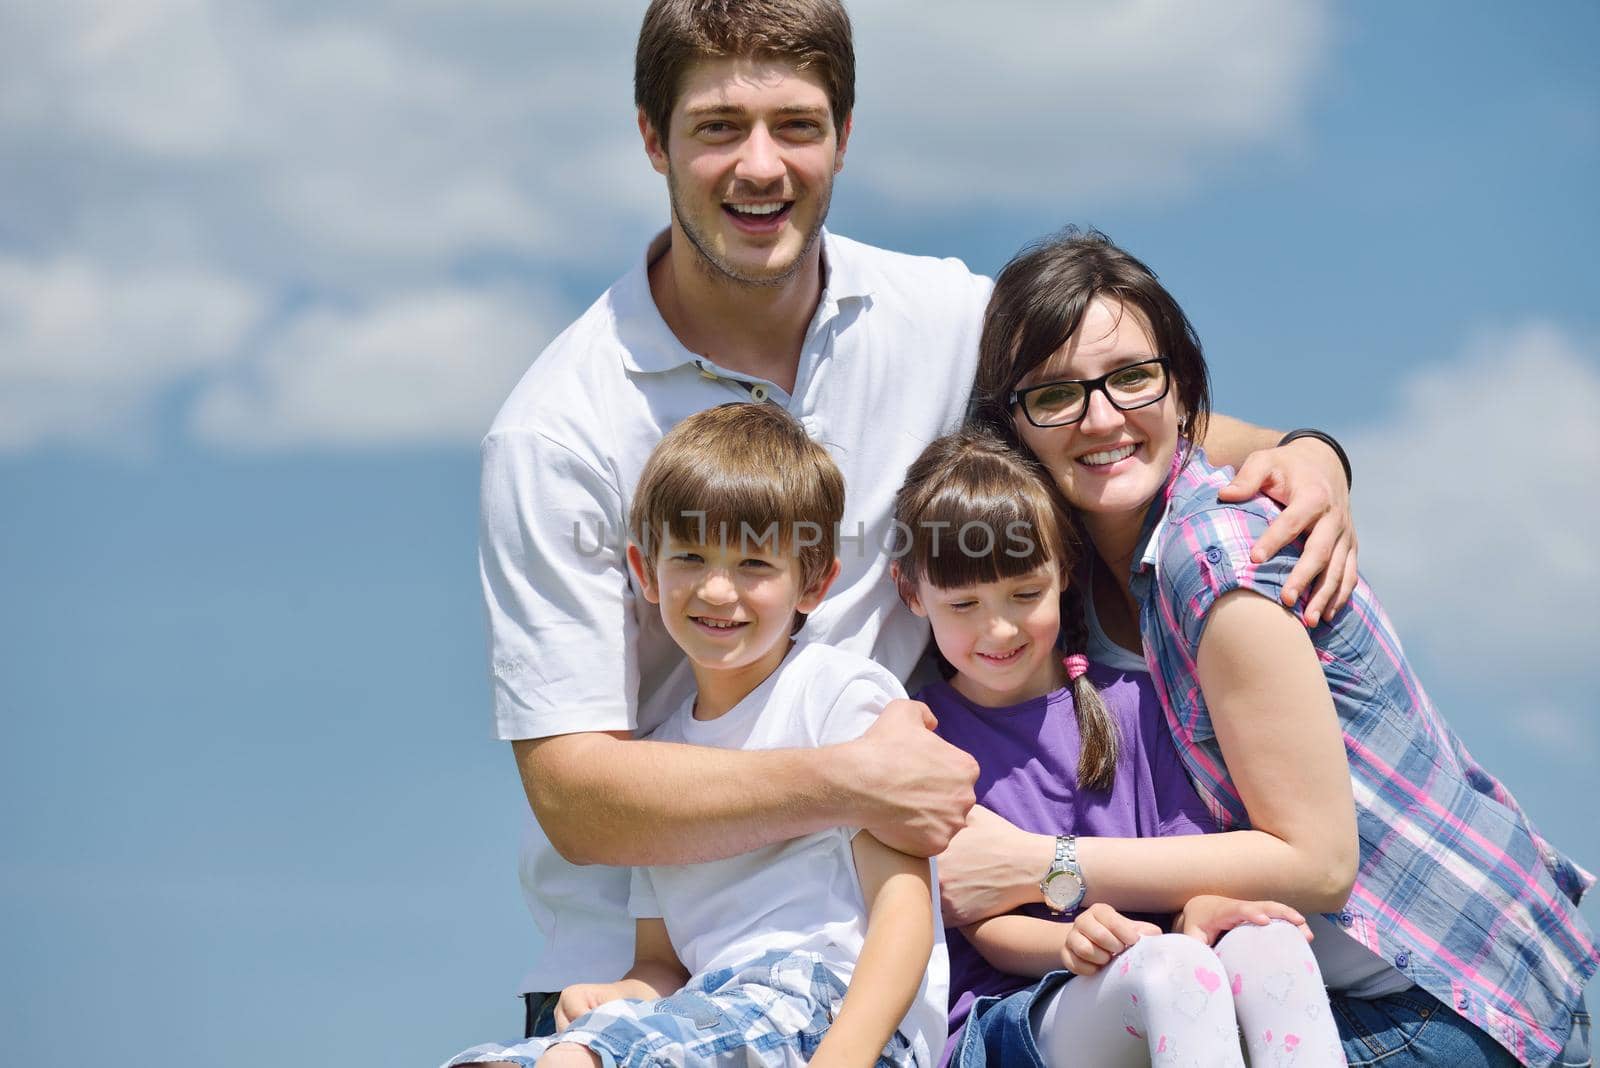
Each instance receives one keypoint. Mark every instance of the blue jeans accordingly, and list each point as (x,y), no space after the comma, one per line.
(999,1030)
(1413,1028)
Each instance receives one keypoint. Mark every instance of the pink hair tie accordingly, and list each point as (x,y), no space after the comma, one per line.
(1077,666)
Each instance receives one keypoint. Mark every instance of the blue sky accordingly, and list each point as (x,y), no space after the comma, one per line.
(266,270)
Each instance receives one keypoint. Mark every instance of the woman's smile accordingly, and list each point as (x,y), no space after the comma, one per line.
(1107,461)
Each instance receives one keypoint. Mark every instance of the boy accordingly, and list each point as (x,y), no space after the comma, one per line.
(812,950)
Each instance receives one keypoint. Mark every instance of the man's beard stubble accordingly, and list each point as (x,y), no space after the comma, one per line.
(720,270)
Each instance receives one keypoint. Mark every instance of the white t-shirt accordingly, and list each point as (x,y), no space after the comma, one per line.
(802,894)
(886,367)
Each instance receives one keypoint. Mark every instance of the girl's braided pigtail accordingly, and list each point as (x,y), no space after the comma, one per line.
(1097,761)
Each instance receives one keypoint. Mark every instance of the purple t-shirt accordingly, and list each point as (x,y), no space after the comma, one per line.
(1028,772)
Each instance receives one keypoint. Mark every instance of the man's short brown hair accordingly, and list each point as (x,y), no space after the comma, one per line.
(812,35)
(741,474)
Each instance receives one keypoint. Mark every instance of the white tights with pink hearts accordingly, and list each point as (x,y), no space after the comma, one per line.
(1170,1000)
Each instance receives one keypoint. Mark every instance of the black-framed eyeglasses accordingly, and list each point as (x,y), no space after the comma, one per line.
(1063,403)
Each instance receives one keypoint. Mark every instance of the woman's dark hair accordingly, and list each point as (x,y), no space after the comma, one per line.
(1038,303)
(973,510)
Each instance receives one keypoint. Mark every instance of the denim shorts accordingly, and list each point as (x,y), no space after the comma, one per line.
(1414,1028)
(999,1030)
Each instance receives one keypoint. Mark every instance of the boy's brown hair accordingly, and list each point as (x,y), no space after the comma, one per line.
(741,474)
(812,35)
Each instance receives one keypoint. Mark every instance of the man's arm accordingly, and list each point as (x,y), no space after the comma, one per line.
(605,798)
(1307,477)
(560,621)
(899,894)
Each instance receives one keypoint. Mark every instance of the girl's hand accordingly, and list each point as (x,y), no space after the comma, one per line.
(1209,916)
(580,999)
(1099,933)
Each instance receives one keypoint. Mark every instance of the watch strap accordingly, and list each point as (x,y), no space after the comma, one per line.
(1064,862)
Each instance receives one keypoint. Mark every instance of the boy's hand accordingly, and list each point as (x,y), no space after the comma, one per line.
(1209,916)
(1099,933)
(580,999)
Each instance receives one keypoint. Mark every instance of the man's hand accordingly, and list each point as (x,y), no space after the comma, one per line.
(1307,479)
(917,787)
(1209,916)
(1099,933)
(990,867)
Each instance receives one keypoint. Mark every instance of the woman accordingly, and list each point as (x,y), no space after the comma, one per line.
(1449,932)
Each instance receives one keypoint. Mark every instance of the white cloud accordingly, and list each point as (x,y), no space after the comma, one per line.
(1477,509)
(1557,729)
(361,154)
(416,367)
(427,130)
(1075,100)
(344,147)
(85,350)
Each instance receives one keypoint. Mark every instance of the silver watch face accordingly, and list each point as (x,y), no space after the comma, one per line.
(1063,890)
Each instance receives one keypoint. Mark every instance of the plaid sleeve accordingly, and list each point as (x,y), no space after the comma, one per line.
(1207,554)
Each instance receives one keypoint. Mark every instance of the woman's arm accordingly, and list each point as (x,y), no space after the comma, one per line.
(1275,722)
(899,894)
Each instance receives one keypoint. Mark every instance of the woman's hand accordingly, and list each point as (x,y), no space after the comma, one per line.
(990,867)
(1208,917)
(1099,933)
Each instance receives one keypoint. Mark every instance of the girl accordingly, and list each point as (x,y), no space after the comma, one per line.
(1065,748)
(1448,930)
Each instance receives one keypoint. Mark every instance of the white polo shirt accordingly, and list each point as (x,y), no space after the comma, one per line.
(886,367)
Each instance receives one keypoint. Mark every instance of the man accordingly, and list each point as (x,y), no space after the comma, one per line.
(745,109)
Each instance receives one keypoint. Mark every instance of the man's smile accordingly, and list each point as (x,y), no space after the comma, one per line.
(760,217)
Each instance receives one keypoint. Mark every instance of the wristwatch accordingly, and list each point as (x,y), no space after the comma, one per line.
(1062,886)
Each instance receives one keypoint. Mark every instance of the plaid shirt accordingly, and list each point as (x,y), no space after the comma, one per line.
(1455,887)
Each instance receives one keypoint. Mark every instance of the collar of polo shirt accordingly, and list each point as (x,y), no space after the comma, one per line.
(651,346)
